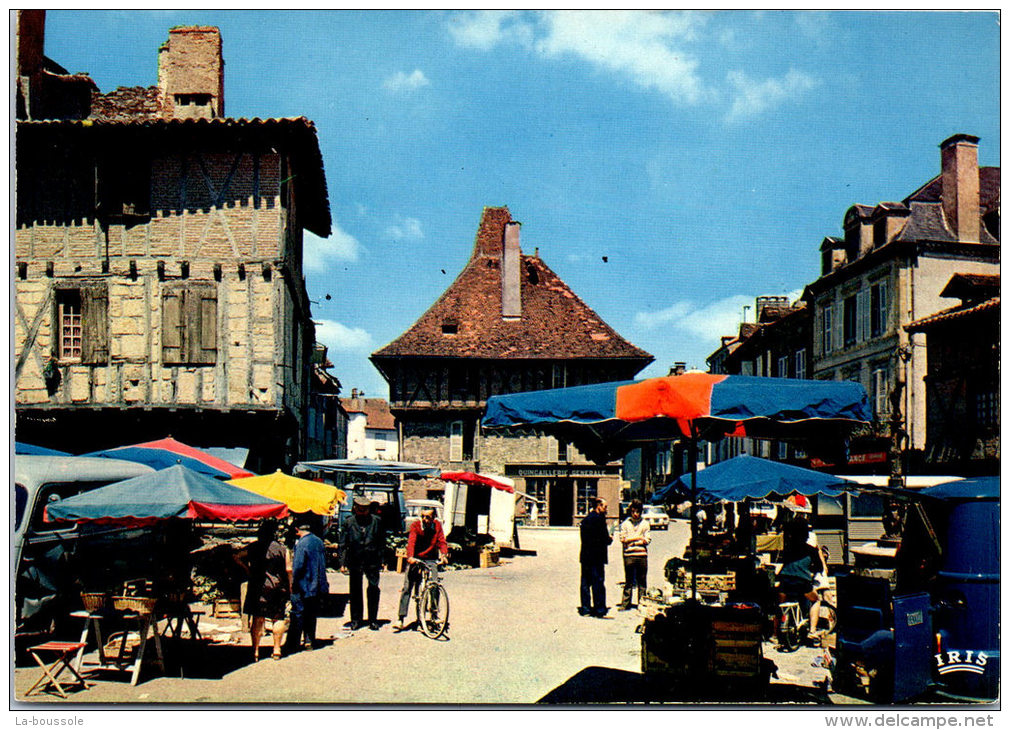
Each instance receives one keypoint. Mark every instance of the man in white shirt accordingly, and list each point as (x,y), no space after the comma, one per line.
(634,537)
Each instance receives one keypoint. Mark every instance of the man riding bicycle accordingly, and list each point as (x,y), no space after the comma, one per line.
(801,562)
(425,543)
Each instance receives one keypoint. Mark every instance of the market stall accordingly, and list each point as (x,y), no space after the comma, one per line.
(169,500)
(606,420)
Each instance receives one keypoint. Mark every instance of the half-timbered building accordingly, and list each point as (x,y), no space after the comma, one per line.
(158,273)
(507,324)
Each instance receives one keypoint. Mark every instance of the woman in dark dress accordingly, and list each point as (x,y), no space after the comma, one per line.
(268,589)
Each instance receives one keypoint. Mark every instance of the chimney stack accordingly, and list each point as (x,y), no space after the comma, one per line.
(191,74)
(959,186)
(511,302)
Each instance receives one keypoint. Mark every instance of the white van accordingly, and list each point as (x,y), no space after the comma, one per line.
(42,549)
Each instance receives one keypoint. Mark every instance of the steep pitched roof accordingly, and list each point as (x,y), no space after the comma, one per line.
(988,192)
(466,321)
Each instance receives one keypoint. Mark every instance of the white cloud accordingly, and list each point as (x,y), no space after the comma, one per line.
(710,321)
(484,29)
(754,97)
(405,229)
(643,46)
(318,252)
(341,338)
(406,82)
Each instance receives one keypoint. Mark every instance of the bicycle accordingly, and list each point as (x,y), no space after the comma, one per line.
(432,601)
(793,623)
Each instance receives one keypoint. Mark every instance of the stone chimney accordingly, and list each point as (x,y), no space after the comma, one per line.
(511,301)
(30,41)
(191,74)
(959,186)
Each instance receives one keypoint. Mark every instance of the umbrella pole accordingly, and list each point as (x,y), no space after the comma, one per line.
(692,455)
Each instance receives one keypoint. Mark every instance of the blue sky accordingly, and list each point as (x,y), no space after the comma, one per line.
(704,154)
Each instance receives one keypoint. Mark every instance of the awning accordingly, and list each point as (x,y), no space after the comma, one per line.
(369,466)
(468,477)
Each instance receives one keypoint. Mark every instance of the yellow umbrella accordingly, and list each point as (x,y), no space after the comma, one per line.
(300,495)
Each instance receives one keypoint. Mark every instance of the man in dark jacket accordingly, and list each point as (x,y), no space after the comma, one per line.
(362,543)
(308,587)
(593,556)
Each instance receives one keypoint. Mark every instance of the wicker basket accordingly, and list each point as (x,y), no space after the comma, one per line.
(95,602)
(137,604)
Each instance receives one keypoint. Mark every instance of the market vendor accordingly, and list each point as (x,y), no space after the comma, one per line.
(801,563)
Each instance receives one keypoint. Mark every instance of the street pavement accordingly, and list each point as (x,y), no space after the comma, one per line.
(515,636)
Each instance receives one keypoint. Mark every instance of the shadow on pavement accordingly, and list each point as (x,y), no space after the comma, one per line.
(603,685)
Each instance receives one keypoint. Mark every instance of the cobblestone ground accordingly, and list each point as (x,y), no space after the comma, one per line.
(515,637)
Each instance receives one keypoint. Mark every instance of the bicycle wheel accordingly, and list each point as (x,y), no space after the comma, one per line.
(827,618)
(789,632)
(433,611)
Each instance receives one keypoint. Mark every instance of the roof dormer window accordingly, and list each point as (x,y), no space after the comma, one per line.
(450,327)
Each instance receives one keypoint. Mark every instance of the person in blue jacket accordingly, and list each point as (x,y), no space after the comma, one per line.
(308,587)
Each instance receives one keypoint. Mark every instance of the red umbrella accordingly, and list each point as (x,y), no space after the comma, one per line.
(167,452)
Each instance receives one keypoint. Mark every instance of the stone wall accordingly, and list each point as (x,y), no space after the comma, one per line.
(226,230)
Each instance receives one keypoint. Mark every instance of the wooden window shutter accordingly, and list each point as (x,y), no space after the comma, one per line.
(95,325)
(171,326)
(204,341)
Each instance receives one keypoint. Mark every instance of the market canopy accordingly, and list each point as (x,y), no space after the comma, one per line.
(469,477)
(167,452)
(173,492)
(20,447)
(370,466)
(746,476)
(606,420)
(300,495)
(966,490)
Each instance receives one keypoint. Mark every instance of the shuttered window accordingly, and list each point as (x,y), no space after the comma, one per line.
(189,325)
(82,324)
(456,441)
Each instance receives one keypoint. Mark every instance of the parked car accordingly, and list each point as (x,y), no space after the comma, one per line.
(414,507)
(656,516)
(44,586)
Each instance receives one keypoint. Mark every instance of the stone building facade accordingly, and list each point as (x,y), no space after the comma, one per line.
(158,275)
(889,270)
(963,377)
(507,324)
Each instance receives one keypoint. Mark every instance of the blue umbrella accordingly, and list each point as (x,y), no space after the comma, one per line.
(751,477)
(173,492)
(974,488)
(20,447)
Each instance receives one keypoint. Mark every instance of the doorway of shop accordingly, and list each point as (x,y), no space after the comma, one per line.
(562,502)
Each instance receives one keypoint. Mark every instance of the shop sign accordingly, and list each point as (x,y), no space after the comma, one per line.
(558,470)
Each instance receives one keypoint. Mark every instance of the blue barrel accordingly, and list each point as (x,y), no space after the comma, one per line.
(967,590)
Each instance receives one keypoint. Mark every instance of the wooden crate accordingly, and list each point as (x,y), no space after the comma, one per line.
(226,608)
(489,557)
(711,582)
(736,649)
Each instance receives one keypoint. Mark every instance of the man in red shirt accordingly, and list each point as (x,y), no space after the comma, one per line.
(425,542)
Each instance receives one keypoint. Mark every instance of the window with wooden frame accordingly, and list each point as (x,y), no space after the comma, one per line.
(82,324)
(124,187)
(456,441)
(189,324)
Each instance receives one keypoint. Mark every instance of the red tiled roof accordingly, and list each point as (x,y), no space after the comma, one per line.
(376,410)
(953,314)
(554,324)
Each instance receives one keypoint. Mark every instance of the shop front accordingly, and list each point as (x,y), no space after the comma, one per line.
(562,494)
